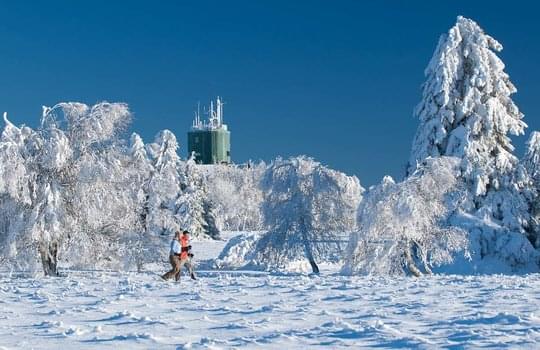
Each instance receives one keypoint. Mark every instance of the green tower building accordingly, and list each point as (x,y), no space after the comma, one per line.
(210,140)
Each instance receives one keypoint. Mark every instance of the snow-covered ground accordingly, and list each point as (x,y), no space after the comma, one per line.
(105,310)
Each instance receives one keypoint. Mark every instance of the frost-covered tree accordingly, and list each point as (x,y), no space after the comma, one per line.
(531,160)
(99,205)
(164,185)
(92,176)
(52,176)
(402,226)
(235,191)
(307,209)
(141,170)
(73,191)
(195,211)
(137,242)
(62,162)
(531,164)
(15,198)
(467,112)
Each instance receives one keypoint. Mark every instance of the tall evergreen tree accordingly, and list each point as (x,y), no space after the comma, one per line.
(466,111)
(163,185)
(195,209)
(138,240)
(141,170)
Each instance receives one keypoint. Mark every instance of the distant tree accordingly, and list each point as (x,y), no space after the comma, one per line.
(237,196)
(138,244)
(164,185)
(196,211)
(141,171)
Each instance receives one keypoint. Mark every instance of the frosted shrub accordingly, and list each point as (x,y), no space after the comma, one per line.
(402,228)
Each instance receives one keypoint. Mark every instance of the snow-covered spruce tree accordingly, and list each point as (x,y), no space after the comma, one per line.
(531,165)
(402,226)
(163,186)
(136,242)
(195,211)
(141,170)
(307,208)
(466,112)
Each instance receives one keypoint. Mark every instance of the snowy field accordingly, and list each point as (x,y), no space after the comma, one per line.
(106,310)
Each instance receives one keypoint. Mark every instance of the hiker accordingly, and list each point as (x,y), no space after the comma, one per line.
(186,255)
(179,256)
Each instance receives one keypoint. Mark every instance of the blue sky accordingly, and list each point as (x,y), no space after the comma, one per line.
(336,80)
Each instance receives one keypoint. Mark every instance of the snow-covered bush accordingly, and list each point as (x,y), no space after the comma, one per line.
(239,251)
(307,208)
(402,227)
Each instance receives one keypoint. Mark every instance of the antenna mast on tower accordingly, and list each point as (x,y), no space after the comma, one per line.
(219,110)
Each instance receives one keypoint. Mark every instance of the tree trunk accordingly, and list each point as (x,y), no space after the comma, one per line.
(409,261)
(307,248)
(49,258)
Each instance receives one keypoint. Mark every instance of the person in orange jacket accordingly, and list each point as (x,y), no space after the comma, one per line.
(179,256)
(186,255)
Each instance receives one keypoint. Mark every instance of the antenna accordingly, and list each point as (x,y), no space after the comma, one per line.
(222,103)
(219,109)
(197,119)
(211,114)
(194,123)
(198,116)
(199,113)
